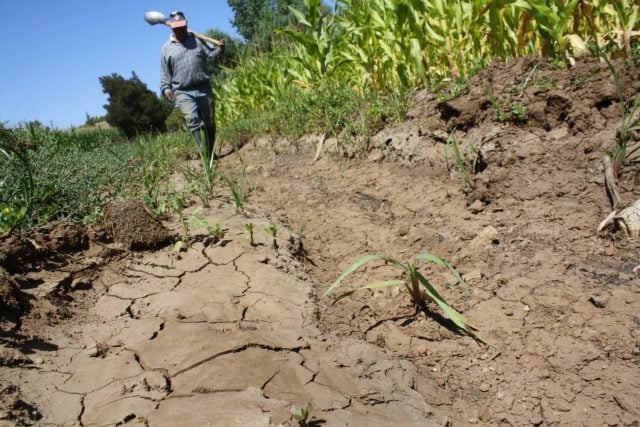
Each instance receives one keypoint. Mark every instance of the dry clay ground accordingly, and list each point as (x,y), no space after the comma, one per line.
(230,333)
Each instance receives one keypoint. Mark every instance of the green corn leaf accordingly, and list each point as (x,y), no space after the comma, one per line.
(359,263)
(375,285)
(442,263)
(452,314)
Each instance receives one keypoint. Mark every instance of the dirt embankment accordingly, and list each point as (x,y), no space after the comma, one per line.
(234,332)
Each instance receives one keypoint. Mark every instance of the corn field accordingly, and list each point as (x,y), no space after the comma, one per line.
(389,45)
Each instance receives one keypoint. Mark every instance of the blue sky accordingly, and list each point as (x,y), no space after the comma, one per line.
(54,51)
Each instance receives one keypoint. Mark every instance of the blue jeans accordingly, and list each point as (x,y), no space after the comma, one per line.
(199,112)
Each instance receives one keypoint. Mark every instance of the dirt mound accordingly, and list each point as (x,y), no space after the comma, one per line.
(533,92)
(131,224)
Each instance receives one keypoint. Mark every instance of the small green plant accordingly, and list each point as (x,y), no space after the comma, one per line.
(250,227)
(10,218)
(272,230)
(217,232)
(450,89)
(418,286)
(579,81)
(302,415)
(519,113)
(197,183)
(465,166)
(238,194)
(500,113)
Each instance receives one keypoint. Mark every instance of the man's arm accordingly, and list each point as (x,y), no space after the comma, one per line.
(165,78)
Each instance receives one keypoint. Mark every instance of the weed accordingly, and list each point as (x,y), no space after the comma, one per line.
(579,81)
(302,415)
(500,113)
(465,166)
(419,288)
(518,113)
(453,89)
(55,175)
(198,183)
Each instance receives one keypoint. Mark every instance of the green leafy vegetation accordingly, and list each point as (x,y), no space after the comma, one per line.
(54,175)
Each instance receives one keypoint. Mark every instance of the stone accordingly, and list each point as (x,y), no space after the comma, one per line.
(484,414)
(599,301)
(476,207)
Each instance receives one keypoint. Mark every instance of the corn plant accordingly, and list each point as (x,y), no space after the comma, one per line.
(272,230)
(249,227)
(238,194)
(418,287)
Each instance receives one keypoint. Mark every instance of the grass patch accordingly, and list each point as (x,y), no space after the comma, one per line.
(333,108)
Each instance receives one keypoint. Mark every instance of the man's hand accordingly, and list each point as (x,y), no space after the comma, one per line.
(221,45)
(168,95)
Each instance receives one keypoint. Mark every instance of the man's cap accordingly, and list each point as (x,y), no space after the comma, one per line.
(177,20)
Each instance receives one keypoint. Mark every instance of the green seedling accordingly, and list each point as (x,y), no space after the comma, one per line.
(250,227)
(238,194)
(302,415)
(500,114)
(272,230)
(519,113)
(217,231)
(417,285)
(177,248)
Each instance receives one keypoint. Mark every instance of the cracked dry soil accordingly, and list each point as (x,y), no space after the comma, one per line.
(234,334)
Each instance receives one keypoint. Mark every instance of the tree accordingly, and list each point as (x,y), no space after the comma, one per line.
(132,107)
(246,14)
(257,20)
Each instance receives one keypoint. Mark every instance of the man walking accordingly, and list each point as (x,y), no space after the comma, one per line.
(184,80)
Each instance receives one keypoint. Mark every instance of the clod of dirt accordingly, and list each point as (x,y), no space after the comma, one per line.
(129,223)
(12,302)
(63,238)
(15,254)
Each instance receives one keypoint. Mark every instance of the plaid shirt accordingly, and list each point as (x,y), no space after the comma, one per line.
(183,66)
